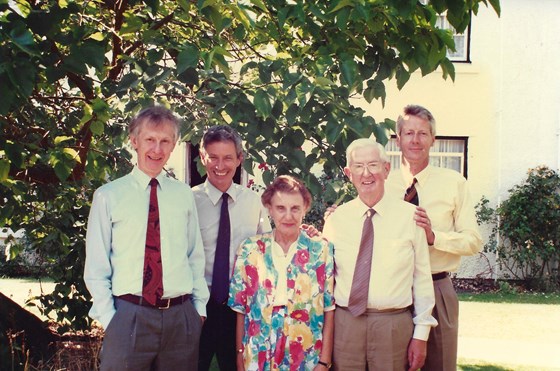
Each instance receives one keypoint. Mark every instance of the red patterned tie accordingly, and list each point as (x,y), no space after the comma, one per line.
(357,302)
(411,194)
(152,288)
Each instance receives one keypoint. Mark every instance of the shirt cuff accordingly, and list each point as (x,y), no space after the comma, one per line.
(200,307)
(106,319)
(421,332)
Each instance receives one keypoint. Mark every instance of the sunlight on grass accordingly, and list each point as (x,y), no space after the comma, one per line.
(512,297)
(475,365)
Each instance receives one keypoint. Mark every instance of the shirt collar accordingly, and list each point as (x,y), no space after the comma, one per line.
(380,207)
(421,177)
(214,194)
(143,179)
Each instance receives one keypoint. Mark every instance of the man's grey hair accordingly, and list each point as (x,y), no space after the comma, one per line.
(156,116)
(420,112)
(362,143)
(222,133)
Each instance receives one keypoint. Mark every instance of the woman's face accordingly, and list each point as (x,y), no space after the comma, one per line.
(287,211)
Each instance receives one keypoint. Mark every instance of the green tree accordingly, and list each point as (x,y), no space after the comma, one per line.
(281,72)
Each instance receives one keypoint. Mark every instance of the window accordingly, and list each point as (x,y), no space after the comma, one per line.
(462,40)
(447,152)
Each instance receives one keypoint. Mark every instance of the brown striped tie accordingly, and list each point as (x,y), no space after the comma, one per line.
(357,303)
(411,194)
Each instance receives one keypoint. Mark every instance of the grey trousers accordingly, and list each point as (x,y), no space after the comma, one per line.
(442,343)
(143,338)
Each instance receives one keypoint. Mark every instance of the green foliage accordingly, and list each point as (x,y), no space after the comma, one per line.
(527,222)
(334,191)
(282,73)
(485,214)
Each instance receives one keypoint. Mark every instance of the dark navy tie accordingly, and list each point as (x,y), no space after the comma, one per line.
(220,274)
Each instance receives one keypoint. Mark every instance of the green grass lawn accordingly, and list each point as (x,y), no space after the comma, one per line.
(512,297)
(468,365)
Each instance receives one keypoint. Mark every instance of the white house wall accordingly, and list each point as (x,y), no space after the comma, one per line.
(507,101)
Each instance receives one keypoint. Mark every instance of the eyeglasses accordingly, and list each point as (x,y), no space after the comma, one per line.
(373,167)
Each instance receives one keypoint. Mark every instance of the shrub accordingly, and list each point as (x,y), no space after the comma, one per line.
(528,227)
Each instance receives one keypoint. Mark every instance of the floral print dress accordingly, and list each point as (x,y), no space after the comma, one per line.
(310,290)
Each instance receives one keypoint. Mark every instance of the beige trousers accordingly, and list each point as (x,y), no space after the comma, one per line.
(376,340)
(442,344)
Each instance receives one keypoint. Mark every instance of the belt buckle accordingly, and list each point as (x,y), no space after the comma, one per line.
(165,306)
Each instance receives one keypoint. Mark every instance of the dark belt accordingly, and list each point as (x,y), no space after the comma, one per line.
(160,303)
(439,276)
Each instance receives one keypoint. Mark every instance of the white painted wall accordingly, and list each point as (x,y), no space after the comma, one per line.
(507,101)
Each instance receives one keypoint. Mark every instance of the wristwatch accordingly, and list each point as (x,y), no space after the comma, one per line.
(327,365)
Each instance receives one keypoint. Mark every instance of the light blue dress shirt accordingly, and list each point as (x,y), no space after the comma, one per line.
(116,236)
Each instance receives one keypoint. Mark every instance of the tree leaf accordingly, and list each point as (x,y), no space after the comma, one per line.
(62,138)
(187,58)
(262,103)
(4,169)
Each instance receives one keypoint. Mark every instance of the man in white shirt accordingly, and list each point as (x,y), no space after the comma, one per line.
(446,214)
(384,334)
(145,260)
(221,152)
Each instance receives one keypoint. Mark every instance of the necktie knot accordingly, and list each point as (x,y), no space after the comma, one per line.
(153,182)
(411,193)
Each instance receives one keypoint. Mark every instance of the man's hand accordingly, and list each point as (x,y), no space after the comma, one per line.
(423,221)
(329,211)
(310,230)
(416,354)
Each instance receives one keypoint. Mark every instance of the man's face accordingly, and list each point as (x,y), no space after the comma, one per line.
(368,173)
(220,160)
(153,145)
(415,139)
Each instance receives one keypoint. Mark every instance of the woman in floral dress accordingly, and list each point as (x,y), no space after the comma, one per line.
(282,289)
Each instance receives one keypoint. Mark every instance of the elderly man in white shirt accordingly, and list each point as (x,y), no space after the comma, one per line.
(383,318)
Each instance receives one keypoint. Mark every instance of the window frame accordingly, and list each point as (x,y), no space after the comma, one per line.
(464,139)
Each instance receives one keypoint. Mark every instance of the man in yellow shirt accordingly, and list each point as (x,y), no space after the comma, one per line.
(446,214)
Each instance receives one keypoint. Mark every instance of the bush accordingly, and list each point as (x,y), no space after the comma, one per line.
(528,227)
